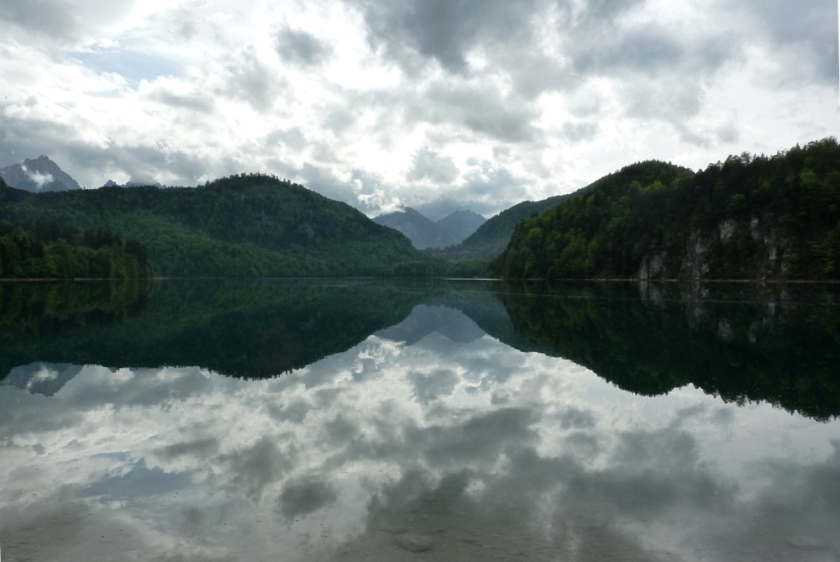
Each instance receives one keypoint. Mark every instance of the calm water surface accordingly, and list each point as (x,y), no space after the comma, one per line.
(355,421)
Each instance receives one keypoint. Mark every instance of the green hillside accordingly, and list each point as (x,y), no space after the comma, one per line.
(746,218)
(246,225)
(47,249)
(492,237)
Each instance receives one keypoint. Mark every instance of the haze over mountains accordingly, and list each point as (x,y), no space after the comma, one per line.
(425,233)
(492,237)
(750,217)
(38,176)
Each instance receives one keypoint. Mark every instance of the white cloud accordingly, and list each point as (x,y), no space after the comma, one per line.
(38,178)
(557,92)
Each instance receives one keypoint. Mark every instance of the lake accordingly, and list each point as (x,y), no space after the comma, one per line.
(355,420)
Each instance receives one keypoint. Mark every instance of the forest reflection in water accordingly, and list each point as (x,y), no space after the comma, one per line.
(342,420)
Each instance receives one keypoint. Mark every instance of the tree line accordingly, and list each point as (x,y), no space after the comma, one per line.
(746,217)
(49,250)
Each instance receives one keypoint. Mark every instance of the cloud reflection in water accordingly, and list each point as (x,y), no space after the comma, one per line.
(491,452)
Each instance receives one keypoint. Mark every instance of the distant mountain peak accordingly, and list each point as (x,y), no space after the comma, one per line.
(462,223)
(425,233)
(38,175)
(422,232)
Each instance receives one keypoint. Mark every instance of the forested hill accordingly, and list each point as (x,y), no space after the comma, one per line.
(492,237)
(245,225)
(750,217)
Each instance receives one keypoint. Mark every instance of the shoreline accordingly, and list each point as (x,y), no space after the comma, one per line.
(520,279)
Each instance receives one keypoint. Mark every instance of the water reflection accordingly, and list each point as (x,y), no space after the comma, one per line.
(431,432)
(778,344)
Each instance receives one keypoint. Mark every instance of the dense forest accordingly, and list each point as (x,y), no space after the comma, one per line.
(242,226)
(750,217)
(49,249)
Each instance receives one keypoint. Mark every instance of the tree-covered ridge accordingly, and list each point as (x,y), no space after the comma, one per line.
(746,218)
(48,250)
(245,225)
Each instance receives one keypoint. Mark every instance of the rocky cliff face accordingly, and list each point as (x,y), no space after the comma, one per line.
(731,249)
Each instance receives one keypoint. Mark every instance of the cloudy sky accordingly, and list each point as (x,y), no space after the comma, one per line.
(435,104)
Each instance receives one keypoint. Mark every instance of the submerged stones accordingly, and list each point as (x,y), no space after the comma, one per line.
(413,542)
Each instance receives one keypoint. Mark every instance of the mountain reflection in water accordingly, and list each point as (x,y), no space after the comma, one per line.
(337,420)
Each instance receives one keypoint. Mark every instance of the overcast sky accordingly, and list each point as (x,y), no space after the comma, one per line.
(434,104)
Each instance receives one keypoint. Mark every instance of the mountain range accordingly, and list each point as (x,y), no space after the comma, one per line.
(246,225)
(459,237)
(492,237)
(749,217)
(425,233)
(38,176)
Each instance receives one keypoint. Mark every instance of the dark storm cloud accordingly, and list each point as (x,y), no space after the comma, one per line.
(593,39)
(806,30)
(479,108)
(411,33)
(46,17)
(647,49)
(428,164)
(598,12)
(795,517)
(590,35)
(429,387)
(200,448)
(249,80)
(25,138)
(573,509)
(259,465)
(661,74)
(301,48)
(139,162)
(323,180)
(292,137)
(572,418)
(579,131)
(486,190)
(728,133)
(22,138)
(294,413)
(338,119)
(487,179)
(192,101)
(483,438)
(300,498)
